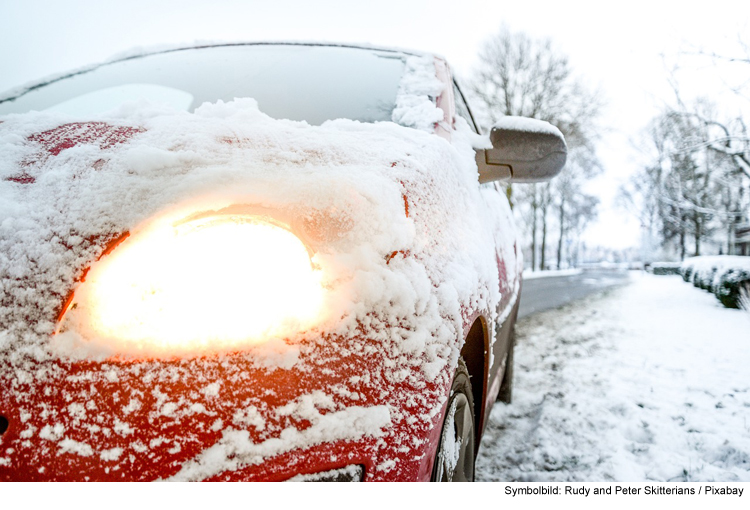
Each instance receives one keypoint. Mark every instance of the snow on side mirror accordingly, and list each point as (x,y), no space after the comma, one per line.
(523,150)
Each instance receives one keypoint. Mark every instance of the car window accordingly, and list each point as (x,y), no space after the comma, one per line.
(462,109)
(297,82)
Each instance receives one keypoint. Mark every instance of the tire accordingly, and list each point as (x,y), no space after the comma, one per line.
(505,394)
(454,461)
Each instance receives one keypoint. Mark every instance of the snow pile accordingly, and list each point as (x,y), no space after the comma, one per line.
(648,383)
(377,203)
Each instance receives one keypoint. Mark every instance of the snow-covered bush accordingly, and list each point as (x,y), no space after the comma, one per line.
(686,270)
(704,278)
(700,270)
(662,268)
(723,275)
(745,298)
(733,286)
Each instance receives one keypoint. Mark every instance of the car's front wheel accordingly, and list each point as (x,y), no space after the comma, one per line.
(454,461)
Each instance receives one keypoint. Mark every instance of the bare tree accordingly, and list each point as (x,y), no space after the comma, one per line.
(522,76)
(696,189)
(728,137)
(690,190)
(575,210)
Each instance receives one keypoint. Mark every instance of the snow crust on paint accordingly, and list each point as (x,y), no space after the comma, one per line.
(351,473)
(645,383)
(236,450)
(397,286)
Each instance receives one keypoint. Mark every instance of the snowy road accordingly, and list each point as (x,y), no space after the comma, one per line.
(649,382)
(540,294)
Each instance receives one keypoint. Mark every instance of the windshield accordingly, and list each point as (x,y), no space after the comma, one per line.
(297,82)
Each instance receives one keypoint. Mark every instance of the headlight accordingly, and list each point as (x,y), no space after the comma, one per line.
(207,284)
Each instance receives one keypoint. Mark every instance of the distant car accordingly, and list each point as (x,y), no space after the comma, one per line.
(318,283)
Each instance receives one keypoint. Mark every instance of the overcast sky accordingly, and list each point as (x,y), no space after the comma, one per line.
(625,48)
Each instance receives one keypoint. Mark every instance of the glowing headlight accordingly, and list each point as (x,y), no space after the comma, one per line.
(208,284)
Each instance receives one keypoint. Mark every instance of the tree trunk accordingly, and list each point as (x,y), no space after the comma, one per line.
(544,236)
(697,235)
(562,232)
(509,194)
(697,238)
(534,207)
(682,238)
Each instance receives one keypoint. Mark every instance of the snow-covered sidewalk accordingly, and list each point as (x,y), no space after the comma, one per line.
(647,382)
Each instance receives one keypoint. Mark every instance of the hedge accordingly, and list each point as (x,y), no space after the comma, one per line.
(724,275)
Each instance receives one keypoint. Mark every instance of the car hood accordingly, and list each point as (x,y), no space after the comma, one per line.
(399,236)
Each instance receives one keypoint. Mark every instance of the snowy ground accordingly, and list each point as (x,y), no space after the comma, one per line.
(647,382)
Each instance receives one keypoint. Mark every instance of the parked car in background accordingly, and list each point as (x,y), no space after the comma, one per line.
(256,262)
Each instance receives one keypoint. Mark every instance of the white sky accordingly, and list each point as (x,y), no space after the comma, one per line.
(621,47)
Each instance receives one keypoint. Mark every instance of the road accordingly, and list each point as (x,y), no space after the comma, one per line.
(539,294)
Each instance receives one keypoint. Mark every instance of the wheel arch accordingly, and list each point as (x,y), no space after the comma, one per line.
(475,355)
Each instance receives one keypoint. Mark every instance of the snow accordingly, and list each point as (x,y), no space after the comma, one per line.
(78,448)
(351,473)
(415,101)
(646,383)
(451,446)
(513,123)
(111,455)
(236,450)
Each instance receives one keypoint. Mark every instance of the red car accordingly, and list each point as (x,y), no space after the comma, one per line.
(318,283)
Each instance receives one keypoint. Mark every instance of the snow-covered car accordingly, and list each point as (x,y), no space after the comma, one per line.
(256,262)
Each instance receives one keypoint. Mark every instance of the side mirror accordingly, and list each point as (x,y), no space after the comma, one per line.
(523,150)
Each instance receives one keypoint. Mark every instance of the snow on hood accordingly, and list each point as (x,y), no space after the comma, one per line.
(175,164)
